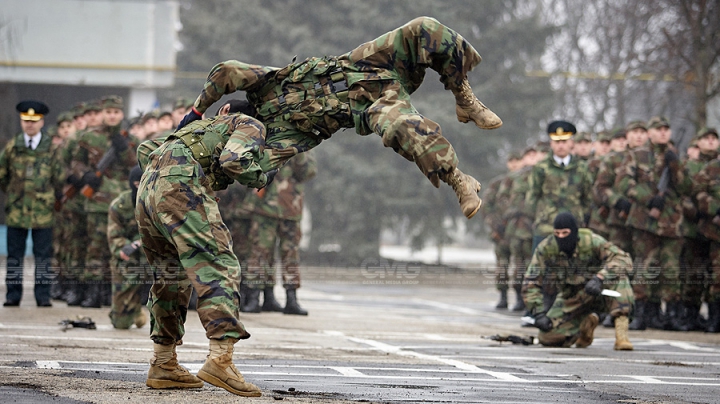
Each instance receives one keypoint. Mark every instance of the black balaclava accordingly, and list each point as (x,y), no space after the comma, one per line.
(135,175)
(567,244)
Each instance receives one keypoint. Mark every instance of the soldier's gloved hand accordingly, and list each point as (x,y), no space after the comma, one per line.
(75,180)
(119,142)
(191,116)
(623,205)
(543,323)
(92,180)
(657,202)
(270,176)
(670,157)
(594,286)
(586,219)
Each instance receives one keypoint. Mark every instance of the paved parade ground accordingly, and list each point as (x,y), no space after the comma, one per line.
(373,335)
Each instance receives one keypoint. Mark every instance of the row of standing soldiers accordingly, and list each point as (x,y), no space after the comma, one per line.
(632,190)
(96,257)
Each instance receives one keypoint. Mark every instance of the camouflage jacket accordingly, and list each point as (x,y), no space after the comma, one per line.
(638,177)
(598,215)
(519,219)
(593,255)
(122,229)
(494,204)
(605,195)
(283,198)
(690,211)
(91,147)
(706,191)
(555,189)
(31,180)
(76,203)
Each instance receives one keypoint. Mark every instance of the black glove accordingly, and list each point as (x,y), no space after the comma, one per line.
(130,249)
(594,286)
(92,180)
(623,205)
(543,323)
(657,202)
(119,142)
(190,117)
(670,156)
(270,176)
(75,181)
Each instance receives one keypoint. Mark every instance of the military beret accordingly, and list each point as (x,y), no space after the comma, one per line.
(183,102)
(561,130)
(619,133)
(604,136)
(65,116)
(93,105)
(635,125)
(79,109)
(583,137)
(31,110)
(658,122)
(706,131)
(112,101)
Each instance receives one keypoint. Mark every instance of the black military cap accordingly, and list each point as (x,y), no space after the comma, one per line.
(561,130)
(31,110)
(658,122)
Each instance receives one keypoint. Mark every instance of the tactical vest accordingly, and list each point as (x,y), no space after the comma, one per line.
(203,143)
(311,96)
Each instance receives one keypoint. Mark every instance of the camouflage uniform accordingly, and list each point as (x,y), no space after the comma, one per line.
(706,191)
(494,205)
(130,279)
(184,238)
(519,224)
(655,242)
(606,196)
(91,147)
(237,219)
(555,189)
(593,255)
(31,180)
(306,102)
(598,213)
(276,219)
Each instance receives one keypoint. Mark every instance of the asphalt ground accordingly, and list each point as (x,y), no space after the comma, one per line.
(375,334)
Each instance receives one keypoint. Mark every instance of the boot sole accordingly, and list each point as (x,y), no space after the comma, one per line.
(170,384)
(207,377)
(474,212)
(623,347)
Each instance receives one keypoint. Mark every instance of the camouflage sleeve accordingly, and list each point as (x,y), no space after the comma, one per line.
(144,150)
(616,261)
(707,188)
(625,182)
(304,166)
(603,190)
(80,163)
(58,171)
(534,190)
(228,77)
(681,180)
(532,289)
(587,188)
(116,230)
(240,158)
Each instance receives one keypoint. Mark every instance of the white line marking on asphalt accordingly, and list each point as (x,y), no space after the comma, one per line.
(347,371)
(47,365)
(452,362)
(690,347)
(644,379)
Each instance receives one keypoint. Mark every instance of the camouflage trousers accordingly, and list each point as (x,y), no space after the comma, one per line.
(657,274)
(376,106)
(267,233)
(70,243)
(520,253)
(502,264)
(239,228)
(97,250)
(187,246)
(131,283)
(568,313)
(695,269)
(622,236)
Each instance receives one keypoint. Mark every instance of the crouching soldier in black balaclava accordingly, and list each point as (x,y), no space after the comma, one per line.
(581,264)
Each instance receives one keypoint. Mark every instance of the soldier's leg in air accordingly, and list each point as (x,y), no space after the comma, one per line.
(289,234)
(426,43)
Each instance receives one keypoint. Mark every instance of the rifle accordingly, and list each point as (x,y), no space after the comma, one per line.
(515,339)
(105,161)
(68,194)
(664,180)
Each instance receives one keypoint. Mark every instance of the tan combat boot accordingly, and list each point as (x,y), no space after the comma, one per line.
(622,342)
(587,328)
(466,188)
(469,108)
(141,319)
(219,370)
(166,373)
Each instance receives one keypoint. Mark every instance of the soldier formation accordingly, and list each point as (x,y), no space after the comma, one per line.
(633,197)
(654,220)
